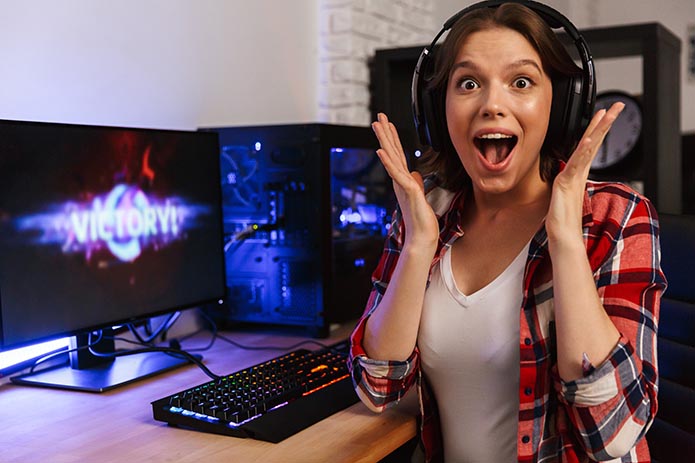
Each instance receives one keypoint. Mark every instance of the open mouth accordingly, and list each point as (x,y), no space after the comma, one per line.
(495,147)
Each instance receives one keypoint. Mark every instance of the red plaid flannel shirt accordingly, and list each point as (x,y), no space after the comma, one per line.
(602,416)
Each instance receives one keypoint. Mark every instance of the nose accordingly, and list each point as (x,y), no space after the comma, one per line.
(492,104)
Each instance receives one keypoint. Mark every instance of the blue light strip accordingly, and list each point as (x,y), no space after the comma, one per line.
(18,356)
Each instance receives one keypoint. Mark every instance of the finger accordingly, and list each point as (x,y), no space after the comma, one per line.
(604,124)
(593,137)
(394,168)
(383,122)
(418,178)
(383,136)
(389,156)
(580,161)
(397,142)
(594,121)
(389,140)
(582,144)
(598,134)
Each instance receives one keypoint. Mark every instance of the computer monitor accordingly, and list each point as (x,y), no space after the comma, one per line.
(101,226)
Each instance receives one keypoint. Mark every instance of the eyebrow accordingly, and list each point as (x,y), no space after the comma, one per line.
(466,64)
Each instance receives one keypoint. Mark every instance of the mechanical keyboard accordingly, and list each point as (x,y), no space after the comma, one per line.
(269,401)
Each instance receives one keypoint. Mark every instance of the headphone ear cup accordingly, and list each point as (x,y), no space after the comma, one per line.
(578,113)
(433,116)
(559,135)
(420,115)
(423,111)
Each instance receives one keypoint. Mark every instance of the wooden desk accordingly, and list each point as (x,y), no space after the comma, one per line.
(59,426)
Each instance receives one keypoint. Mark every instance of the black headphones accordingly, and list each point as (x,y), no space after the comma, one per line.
(573,97)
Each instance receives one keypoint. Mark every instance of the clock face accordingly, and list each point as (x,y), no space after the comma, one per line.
(625,133)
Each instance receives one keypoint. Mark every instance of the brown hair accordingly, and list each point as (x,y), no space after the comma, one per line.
(556,62)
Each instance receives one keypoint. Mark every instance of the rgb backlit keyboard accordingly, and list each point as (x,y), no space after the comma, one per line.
(269,401)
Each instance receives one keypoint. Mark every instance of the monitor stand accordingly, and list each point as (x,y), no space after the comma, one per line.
(90,373)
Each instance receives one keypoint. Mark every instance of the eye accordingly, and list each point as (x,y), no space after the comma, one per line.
(467,84)
(522,82)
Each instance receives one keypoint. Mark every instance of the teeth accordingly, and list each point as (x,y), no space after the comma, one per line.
(494,136)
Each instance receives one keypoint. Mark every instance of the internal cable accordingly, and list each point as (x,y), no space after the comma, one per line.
(240,236)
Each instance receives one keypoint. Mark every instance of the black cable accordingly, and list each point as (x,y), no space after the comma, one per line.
(30,363)
(171,342)
(290,347)
(148,347)
(167,350)
(163,328)
(59,353)
(213,326)
(195,333)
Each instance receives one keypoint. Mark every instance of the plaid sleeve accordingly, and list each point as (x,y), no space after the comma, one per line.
(378,383)
(614,405)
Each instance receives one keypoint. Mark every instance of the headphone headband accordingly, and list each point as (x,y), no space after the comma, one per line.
(567,122)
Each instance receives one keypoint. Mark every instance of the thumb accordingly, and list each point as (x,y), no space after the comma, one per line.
(418,178)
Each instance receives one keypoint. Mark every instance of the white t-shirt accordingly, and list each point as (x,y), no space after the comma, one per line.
(469,348)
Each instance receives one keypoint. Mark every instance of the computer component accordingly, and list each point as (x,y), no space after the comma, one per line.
(305,215)
(101,226)
(269,401)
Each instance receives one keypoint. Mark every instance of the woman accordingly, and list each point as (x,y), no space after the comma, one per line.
(520,298)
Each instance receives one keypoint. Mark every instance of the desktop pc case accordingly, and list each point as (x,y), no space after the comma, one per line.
(306,210)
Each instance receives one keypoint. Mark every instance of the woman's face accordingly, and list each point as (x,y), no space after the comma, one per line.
(497,110)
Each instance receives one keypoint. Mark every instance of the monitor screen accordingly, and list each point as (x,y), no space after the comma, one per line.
(104,225)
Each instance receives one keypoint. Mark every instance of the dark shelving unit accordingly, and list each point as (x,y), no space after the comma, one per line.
(660,167)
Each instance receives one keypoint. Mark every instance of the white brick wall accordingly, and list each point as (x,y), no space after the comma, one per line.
(351,30)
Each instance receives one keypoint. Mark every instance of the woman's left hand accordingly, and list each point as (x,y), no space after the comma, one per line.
(564,220)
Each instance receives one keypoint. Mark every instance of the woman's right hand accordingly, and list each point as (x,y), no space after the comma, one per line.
(422,229)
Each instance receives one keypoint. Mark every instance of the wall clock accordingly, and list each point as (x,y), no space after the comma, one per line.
(622,143)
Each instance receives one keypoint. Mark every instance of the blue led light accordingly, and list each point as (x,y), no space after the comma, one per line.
(278,406)
(257,146)
(13,357)
(418,153)
(355,217)
(349,215)
(192,414)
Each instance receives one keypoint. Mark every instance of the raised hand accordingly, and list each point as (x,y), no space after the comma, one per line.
(419,218)
(564,220)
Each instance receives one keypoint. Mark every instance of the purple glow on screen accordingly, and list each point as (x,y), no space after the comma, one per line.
(124,221)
